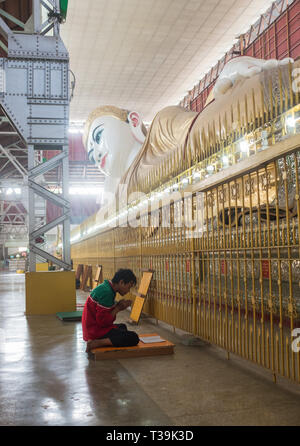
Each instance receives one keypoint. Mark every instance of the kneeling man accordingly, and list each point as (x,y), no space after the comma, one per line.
(100,311)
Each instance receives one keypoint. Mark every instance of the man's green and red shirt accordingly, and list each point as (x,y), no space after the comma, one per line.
(97,319)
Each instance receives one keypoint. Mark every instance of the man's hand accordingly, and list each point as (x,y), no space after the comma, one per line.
(123,304)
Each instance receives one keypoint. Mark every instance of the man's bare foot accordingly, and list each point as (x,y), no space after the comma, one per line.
(88,346)
(96,343)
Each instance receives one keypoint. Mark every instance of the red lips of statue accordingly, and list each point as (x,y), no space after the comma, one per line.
(103,161)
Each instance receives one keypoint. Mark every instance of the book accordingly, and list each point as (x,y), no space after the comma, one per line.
(151,339)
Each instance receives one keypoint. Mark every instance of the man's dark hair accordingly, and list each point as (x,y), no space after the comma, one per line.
(124,274)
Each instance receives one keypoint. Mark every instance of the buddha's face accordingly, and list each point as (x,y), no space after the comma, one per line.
(107,140)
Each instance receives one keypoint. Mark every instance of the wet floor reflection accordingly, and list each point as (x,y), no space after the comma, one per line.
(117,399)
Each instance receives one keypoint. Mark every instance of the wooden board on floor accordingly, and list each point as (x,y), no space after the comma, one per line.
(99,277)
(152,349)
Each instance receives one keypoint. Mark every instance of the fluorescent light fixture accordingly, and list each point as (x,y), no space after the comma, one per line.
(225,159)
(244,146)
(210,168)
(143,203)
(290,121)
(82,190)
(9,191)
(18,191)
(22,249)
(75,130)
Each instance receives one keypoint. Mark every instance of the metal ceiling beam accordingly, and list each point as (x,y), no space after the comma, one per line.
(3,46)
(10,228)
(4,165)
(11,173)
(14,161)
(51,258)
(45,228)
(12,18)
(37,15)
(18,216)
(47,195)
(15,144)
(4,211)
(15,215)
(46,30)
(46,6)
(52,163)
(5,31)
(11,183)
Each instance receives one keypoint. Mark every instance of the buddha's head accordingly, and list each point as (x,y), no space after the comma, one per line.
(109,134)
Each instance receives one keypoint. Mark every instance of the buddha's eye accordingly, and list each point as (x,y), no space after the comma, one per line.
(91,155)
(98,136)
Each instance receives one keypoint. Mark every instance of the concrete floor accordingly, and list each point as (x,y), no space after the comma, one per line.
(47,379)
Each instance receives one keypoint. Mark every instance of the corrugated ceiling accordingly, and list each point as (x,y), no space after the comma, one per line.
(146,54)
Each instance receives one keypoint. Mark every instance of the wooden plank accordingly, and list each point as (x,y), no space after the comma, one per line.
(145,283)
(98,277)
(137,308)
(84,278)
(90,277)
(87,275)
(123,354)
(79,271)
(140,350)
(140,296)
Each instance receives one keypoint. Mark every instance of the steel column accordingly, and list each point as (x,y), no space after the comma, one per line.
(36,101)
